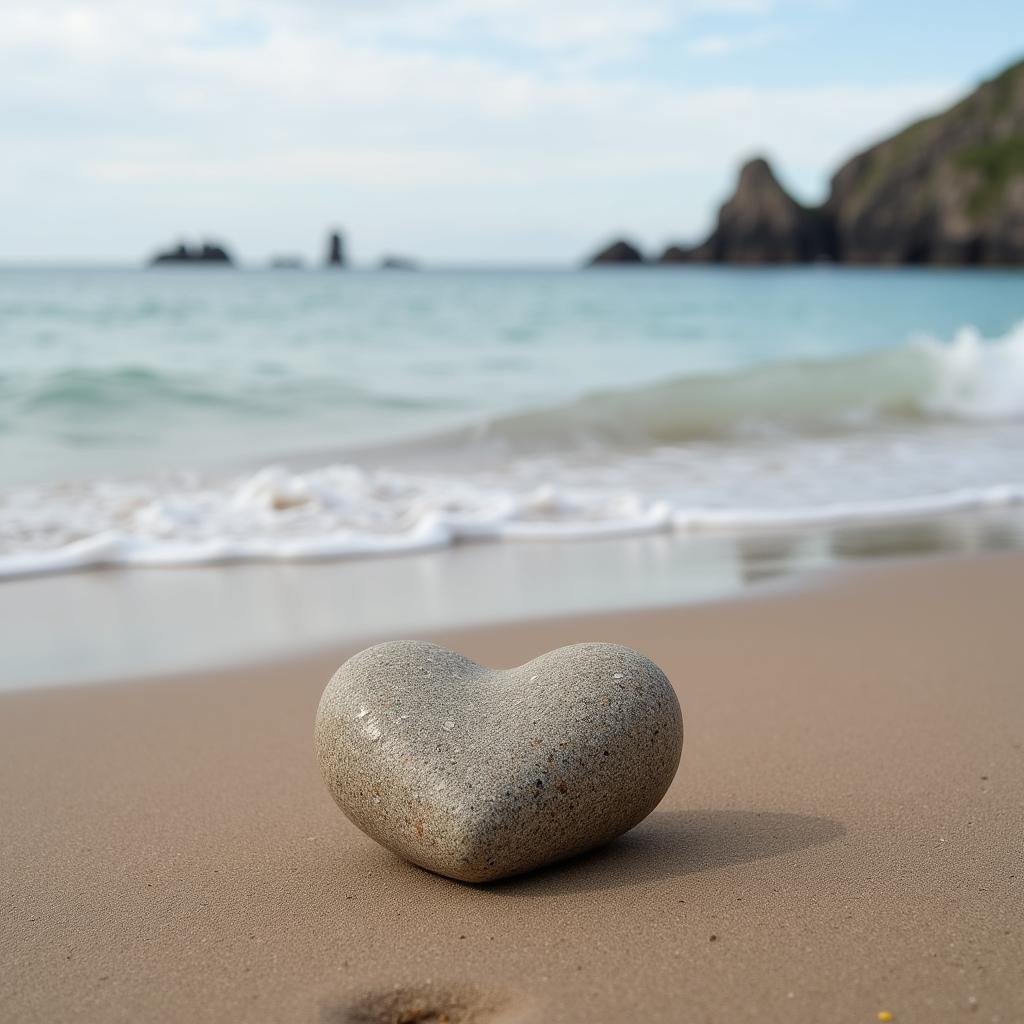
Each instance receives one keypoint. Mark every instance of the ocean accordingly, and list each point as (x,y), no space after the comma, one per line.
(197,415)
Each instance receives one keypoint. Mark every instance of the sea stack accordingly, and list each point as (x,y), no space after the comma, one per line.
(760,223)
(335,249)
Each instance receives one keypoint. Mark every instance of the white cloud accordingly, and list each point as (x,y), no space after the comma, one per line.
(726,44)
(600,26)
(265,120)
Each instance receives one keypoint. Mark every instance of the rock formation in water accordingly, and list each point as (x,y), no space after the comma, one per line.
(208,252)
(619,251)
(335,249)
(760,223)
(948,189)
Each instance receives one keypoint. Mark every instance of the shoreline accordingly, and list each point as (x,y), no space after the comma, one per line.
(843,836)
(138,623)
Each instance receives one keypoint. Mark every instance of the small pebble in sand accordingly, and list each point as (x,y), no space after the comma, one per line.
(547,765)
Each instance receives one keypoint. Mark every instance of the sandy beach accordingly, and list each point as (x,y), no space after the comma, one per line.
(844,836)
(511,431)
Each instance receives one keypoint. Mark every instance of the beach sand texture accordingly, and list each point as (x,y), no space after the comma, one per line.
(844,836)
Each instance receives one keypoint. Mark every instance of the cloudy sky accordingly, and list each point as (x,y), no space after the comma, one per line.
(505,131)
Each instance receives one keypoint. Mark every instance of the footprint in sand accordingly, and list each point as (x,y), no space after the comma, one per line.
(430,1004)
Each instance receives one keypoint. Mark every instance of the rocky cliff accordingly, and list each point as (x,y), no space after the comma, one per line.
(948,189)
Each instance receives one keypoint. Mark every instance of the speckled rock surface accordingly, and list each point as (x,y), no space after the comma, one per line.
(478,773)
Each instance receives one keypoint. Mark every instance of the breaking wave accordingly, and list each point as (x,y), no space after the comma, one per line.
(779,446)
(967,379)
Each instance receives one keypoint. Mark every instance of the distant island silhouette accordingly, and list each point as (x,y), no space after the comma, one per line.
(286,263)
(208,252)
(218,255)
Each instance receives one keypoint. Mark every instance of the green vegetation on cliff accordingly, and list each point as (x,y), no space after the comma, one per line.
(997,163)
(940,190)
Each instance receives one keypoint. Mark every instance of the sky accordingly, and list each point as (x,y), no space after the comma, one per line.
(453,131)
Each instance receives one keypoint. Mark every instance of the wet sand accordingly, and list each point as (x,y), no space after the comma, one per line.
(118,625)
(845,836)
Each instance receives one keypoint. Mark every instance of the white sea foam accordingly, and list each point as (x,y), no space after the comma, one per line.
(342,512)
(924,429)
(977,379)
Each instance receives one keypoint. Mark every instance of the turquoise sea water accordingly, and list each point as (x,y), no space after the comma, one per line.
(176,415)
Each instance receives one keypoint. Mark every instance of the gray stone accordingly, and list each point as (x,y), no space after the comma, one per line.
(478,773)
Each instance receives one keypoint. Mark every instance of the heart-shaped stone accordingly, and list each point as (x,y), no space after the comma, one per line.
(477,773)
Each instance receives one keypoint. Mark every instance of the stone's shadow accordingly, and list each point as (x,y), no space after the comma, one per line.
(673,844)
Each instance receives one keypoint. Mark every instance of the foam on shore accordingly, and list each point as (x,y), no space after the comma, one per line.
(279,516)
(922,429)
